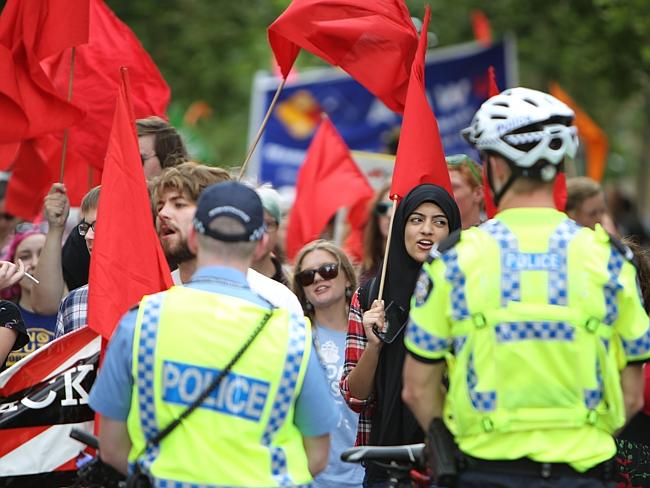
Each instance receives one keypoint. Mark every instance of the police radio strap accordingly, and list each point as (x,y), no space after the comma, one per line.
(213,386)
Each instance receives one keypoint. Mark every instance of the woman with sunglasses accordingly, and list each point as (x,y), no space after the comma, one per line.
(323,281)
(372,375)
(375,234)
(25,248)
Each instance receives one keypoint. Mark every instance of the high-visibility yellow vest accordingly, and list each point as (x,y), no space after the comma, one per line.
(524,308)
(243,434)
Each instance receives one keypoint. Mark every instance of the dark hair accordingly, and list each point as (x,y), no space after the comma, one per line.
(579,189)
(373,249)
(642,268)
(168,144)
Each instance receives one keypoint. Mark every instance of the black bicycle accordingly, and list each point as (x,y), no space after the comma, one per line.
(92,472)
(405,465)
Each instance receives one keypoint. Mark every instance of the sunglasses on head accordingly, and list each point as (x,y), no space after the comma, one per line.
(460,160)
(326,271)
(382,208)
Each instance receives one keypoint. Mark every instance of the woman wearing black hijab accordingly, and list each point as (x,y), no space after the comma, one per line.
(372,374)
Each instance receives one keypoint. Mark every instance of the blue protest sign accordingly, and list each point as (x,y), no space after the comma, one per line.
(456,82)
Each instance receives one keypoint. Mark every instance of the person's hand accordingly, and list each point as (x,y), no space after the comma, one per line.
(57,206)
(11,273)
(374,318)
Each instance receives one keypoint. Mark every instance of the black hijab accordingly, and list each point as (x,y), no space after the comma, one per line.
(402,270)
(392,422)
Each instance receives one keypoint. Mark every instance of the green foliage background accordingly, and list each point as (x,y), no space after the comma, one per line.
(598,50)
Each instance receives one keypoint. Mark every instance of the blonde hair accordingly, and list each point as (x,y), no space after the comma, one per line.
(189,178)
(344,264)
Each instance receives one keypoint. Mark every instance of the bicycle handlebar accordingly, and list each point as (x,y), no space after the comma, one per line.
(84,437)
(412,453)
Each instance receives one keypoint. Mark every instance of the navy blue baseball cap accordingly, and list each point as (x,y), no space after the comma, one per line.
(234,200)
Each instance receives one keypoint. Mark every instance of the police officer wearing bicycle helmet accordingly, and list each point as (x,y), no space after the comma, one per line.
(539,320)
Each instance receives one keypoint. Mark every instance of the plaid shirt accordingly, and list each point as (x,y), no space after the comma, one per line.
(73,311)
(355,344)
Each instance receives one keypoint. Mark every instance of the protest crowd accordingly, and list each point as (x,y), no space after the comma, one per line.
(488,309)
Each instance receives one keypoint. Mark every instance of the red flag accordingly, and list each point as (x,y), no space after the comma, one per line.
(559,191)
(328,180)
(490,207)
(123,268)
(374,41)
(30,31)
(420,156)
(96,73)
(357,220)
(481,26)
(29,182)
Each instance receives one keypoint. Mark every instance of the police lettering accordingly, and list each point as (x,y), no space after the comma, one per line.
(519,261)
(237,395)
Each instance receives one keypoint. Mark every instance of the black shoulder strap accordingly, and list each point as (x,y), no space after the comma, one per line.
(213,386)
(368,293)
(445,245)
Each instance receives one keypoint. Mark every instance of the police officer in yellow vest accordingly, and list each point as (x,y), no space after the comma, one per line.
(538,320)
(267,423)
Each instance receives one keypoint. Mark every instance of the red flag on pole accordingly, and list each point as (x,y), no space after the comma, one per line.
(490,207)
(481,27)
(123,267)
(373,41)
(328,180)
(30,31)
(111,45)
(420,155)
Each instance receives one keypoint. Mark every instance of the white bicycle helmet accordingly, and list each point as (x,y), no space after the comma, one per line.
(529,128)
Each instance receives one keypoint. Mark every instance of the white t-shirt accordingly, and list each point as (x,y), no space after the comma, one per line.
(275,292)
(269,289)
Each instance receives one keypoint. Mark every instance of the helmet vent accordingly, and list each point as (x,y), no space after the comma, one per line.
(501,104)
(531,101)
(555,144)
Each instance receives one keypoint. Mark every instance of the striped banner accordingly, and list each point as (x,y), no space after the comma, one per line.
(42,397)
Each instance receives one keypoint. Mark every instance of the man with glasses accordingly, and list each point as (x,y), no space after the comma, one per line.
(269,263)
(161,146)
(73,310)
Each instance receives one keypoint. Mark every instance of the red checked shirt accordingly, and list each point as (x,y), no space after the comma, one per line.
(355,344)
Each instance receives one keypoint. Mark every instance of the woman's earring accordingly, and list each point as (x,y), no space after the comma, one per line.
(309,308)
(348,293)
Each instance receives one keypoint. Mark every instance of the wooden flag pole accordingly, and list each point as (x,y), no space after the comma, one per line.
(67,130)
(382,278)
(256,141)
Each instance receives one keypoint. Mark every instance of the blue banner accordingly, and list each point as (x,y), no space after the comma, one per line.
(456,82)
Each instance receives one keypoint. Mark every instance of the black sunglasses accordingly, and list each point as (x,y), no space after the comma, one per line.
(382,208)
(84,227)
(326,271)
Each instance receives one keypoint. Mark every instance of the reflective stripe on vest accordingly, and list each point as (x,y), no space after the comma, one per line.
(282,403)
(513,262)
(145,378)
(281,406)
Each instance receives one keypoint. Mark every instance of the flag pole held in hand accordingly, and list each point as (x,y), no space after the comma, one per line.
(382,278)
